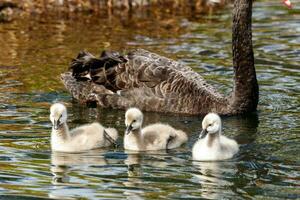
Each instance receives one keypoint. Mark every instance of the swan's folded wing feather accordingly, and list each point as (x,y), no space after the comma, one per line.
(154,140)
(163,75)
(89,134)
(79,136)
(228,145)
(153,83)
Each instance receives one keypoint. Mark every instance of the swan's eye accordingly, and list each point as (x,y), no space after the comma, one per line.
(209,124)
(59,118)
(133,121)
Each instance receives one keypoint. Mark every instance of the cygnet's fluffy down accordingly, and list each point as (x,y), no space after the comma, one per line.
(212,145)
(153,137)
(86,137)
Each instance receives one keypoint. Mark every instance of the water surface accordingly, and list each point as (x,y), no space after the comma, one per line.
(34,51)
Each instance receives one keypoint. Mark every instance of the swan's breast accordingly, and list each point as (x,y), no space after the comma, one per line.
(131,143)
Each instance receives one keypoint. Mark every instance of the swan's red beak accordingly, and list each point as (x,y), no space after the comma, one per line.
(288,3)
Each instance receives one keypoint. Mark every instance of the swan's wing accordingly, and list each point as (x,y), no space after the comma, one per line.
(154,82)
(177,139)
(228,145)
(151,82)
(149,70)
(158,135)
(154,141)
(89,134)
(170,140)
(167,136)
(79,136)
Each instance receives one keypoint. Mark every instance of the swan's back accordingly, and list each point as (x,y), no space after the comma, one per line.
(229,147)
(153,82)
(163,136)
(89,136)
(113,133)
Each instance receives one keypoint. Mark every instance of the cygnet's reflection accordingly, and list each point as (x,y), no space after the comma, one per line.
(213,177)
(150,158)
(136,163)
(63,162)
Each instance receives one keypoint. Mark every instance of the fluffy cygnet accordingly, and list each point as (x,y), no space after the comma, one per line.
(212,145)
(153,137)
(89,136)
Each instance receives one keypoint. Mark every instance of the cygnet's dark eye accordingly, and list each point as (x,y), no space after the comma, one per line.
(59,118)
(209,124)
(134,121)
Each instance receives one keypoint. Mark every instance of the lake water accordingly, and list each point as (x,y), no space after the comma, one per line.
(34,51)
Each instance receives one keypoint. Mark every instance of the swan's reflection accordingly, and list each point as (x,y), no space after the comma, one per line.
(144,170)
(214,178)
(135,160)
(138,164)
(63,162)
(135,174)
(154,158)
(245,126)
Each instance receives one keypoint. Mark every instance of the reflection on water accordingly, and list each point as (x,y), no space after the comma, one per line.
(34,52)
(214,177)
(62,162)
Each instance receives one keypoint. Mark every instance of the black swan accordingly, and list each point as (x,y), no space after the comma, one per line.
(155,83)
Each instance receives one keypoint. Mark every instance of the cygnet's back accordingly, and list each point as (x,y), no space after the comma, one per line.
(90,136)
(163,136)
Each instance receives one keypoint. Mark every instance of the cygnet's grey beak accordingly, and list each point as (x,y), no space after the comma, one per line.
(203,134)
(128,129)
(56,124)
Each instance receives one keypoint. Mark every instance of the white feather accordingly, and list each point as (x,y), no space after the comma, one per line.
(86,137)
(214,146)
(152,137)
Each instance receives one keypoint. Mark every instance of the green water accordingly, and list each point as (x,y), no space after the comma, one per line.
(34,51)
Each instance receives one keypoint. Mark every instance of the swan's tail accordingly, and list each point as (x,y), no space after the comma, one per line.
(81,64)
(4,5)
(113,133)
(180,138)
(87,67)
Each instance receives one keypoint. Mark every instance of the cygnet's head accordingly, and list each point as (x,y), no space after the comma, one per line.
(211,124)
(133,119)
(58,115)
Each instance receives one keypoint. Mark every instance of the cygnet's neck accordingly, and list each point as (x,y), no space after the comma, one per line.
(212,139)
(62,132)
(136,135)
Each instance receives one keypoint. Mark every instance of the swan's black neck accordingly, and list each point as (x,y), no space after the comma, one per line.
(245,91)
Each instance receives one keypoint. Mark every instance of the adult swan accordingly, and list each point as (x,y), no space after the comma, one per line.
(155,83)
